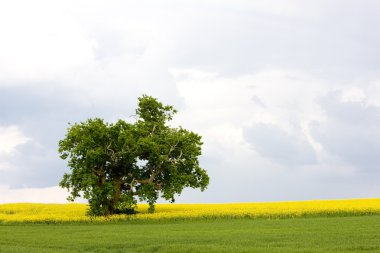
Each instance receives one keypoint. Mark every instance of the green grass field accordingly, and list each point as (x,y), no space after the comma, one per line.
(328,234)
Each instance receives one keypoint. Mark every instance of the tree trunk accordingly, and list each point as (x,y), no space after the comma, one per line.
(117,191)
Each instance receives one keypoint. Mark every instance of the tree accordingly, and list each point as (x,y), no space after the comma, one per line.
(114,165)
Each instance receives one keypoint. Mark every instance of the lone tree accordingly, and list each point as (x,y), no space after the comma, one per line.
(115,164)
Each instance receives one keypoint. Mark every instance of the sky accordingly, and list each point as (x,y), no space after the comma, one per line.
(285,94)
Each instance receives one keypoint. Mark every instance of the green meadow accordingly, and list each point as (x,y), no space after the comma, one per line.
(317,234)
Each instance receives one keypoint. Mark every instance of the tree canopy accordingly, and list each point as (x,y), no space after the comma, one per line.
(114,165)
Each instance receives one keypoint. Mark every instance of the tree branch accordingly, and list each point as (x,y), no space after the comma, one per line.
(150,179)
(154,128)
(156,170)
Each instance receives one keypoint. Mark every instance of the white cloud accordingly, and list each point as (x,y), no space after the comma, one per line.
(40,41)
(353,94)
(286,98)
(372,93)
(10,138)
(53,194)
(292,8)
(5,166)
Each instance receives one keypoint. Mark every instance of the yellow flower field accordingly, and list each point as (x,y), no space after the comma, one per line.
(32,212)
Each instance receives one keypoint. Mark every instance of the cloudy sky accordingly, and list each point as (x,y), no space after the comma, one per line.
(286,93)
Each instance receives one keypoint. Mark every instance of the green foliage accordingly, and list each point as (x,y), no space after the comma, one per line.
(115,164)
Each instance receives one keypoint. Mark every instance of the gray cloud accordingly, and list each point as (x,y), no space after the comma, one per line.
(33,165)
(232,41)
(351,132)
(258,101)
(275,144)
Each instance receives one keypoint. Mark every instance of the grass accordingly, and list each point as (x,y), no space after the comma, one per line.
(313,234)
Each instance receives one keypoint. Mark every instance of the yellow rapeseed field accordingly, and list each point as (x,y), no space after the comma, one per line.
(36,213)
